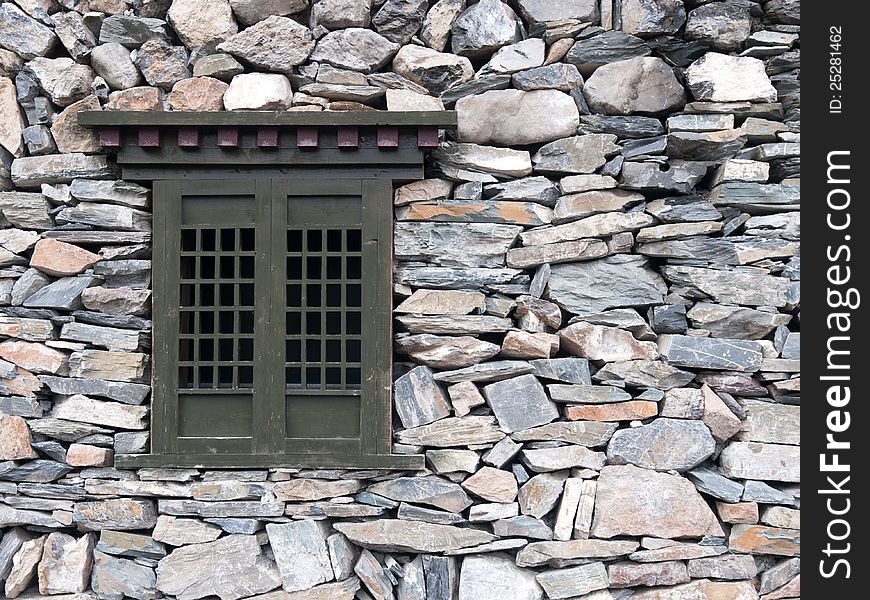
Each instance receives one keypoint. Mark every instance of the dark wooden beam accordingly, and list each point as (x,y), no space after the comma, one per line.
(440,119)
(243,461)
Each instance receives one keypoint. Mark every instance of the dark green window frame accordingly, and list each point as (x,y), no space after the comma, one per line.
(221,177)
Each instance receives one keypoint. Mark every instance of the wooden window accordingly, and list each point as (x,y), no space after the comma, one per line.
(272,342)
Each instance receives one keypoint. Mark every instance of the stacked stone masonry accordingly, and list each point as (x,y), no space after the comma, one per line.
(597,340)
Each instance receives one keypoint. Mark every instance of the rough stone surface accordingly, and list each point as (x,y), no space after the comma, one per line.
(482,28)
(634,501)
(356,49)
(66,564)
(520,403)
(663,445)
(202,23)
(642,84)
(259,91)
(274,44)
(301,554)
(721,78)
(515,117)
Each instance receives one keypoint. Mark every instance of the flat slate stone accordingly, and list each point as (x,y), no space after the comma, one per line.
(663,445)
(418,399)
(301,553)
(431,490)
(520,403)
(486,372)
(582,433)
(453,432)
(764,462)
(395,535)
(711,353)
(574,581)
(713,484)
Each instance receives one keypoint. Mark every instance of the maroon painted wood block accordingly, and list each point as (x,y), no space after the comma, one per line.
(228,137)
(388,137)
(427,137)
(348,138)
(149,137)
(188,137)
(110,137)
(267,137)
(306,138)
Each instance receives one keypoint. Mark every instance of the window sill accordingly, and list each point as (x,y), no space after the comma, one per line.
(246,461)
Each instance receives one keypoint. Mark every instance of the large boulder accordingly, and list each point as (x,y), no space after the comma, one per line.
(274,44)
(483,28)
(202,23)
(637,85)
(515,117)
(355,49)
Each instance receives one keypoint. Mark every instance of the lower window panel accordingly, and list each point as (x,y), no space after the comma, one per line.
(323,416)
(215,415)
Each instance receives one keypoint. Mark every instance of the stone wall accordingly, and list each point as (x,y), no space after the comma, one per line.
(597,317)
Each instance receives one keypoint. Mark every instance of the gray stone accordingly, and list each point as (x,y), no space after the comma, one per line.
(131,442)
(219,66)
(301,553)
(757,198)
(771,423)
(515,117)
(115,514)
(540,494)
(38,140)
(122,543)
(526,54)
(399,20)
(645,18)
(162,64)
(582,433)
(724,25)
(575,581)
(600,225)
(355,49)
(587,394)
(117,578)
(254,11)
(752,460)
(520,403)
(483,28)
(780,574)
(112,192)
(26,210)
(558,76)
(74,34)
(713,484)
(446,352)
(643,84)
(557,252)
(33,171)
(565,553)
(26,37)
(202,24)
(682,209)
(453,432)
(623,127)
(66,564)
(585,204)
(435,71)
(10,544)
(579,154)
(475,86)
(758,491)
(451,244)
(391,535)
(452,461)
(486,372)
(437,23)
(132,31)
(568,370)
(37,471)
(598,48)
(734,287)
(430,490)
(711,353)
(373,576)
(418,399)
(720,78)
(681,176)
(564,457)
(523,526)
(603,284)
(63,80)
(497,577)
(231,567)
(728,566)
(24,566)
(127,393)
(112,414)
(541,11)
(634,501)
(64,293)
(663,445)
(275,44)
(473,158)
(13,517)
(705,146)
(457,324)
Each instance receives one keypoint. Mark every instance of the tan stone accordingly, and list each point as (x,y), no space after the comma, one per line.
(15,439)
(723,423)
(117,301)
(492,484)
(634,501)
(60,259)
(611,344)
(34,357)
(425,189)
(790,590)
(142,98)
(739,512)
(759,539)
(618,411)
(29,330)
(66,564)
(84,455)
(198,93)
(702,589)
(114,366)
(69,135)
(24,565)
(464,396)
(12,119)
(781,516)
(522,344)
(442,302)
